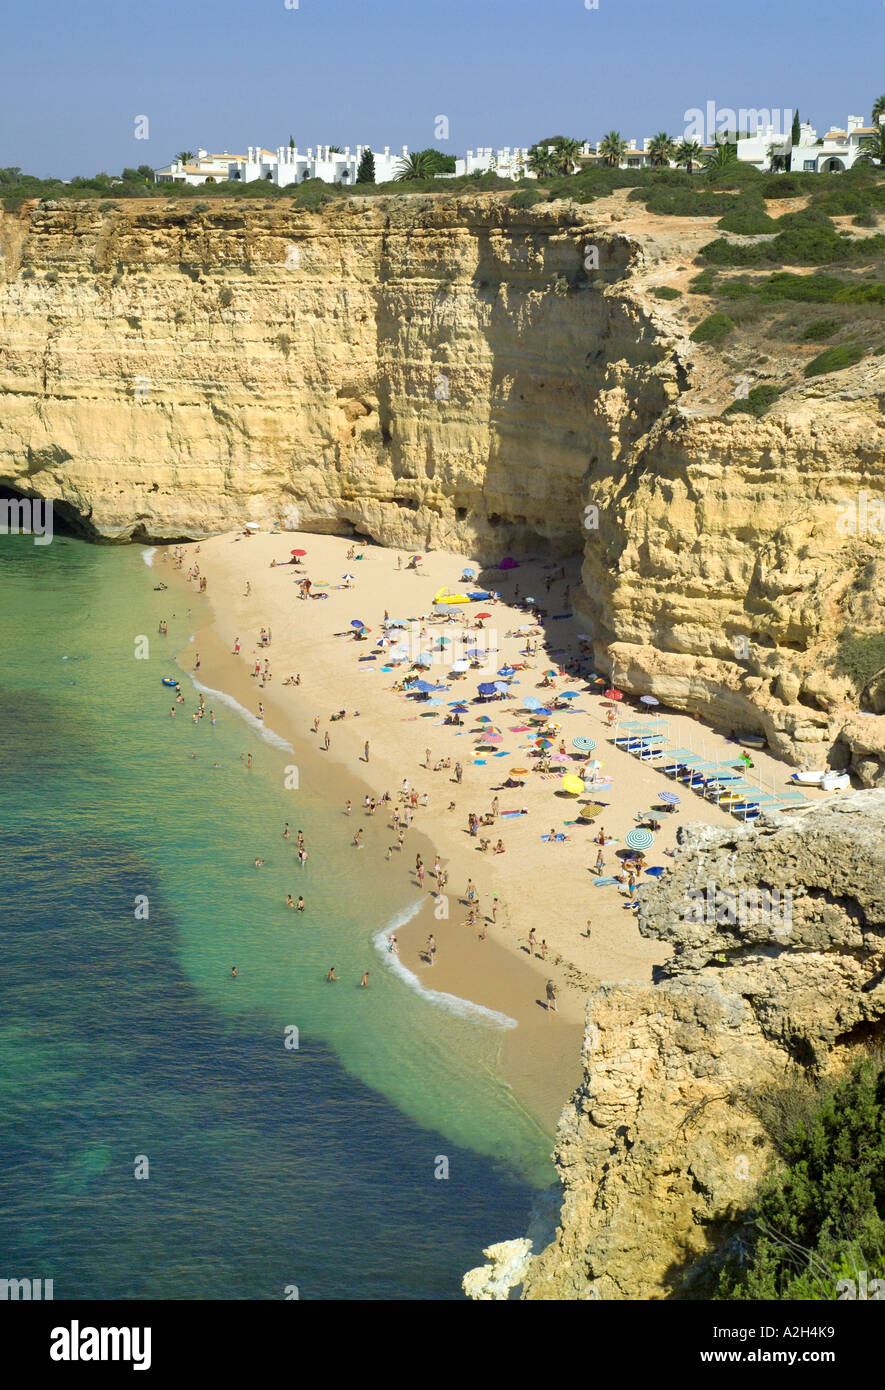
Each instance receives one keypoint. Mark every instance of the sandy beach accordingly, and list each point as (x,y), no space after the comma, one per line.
(582,933)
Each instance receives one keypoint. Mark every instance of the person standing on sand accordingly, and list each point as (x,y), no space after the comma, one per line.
(431,949)
(348,808)
(366,751)
(260,710)
(532,942)
(327,742)
(459,772)
(494,907)
(551,997)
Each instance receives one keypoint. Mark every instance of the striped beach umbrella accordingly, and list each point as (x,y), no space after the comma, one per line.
(670,798)
(639,838)
(584,744)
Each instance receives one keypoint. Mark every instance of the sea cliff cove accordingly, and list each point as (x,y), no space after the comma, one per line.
(443,681)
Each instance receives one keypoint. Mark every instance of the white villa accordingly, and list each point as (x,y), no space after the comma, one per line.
(283,166)
(832,154)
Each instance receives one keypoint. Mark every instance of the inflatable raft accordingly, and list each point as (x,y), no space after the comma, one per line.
(168,680)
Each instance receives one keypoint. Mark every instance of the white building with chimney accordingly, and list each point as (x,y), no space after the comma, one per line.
(283,166)
(835,152)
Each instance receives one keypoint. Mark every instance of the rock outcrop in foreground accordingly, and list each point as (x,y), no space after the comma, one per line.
(778,937)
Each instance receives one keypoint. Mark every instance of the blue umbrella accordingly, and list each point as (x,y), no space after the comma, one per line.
(569,695)
(468,573)
(475,651)
(502,687)
(669,797)
(423,659)
(422,685)
(487,688)
(532,702)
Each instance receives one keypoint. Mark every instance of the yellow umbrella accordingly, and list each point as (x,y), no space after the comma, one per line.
(571,783)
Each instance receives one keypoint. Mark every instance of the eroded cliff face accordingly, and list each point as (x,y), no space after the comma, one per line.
(438,371)
(779,951)
(431,371)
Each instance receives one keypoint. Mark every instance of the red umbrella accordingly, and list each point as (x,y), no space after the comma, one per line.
(299,552)
(483,615)
(614,694)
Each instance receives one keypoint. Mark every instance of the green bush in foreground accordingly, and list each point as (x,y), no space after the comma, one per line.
(665,292)
(756,403)
(835,359)
(815,245)
(819,330)
(712,329)
(860,658)
(748,217)
(702,284)
(822,1217)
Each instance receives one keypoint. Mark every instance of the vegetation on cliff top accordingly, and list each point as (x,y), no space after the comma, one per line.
(821,1218)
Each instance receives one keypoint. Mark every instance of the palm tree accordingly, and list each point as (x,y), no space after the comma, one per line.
(873,146)
(541,161)
(416,166)
(878,109)
(565,155)
(689,153)
(612,148)
(185,156)
(661,149)
(722,157)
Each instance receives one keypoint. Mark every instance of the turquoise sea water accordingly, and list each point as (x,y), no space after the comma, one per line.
(269,1166)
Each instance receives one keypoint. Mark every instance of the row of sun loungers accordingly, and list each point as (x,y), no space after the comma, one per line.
(723,782)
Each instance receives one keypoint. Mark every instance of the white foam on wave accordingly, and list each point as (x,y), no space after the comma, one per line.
(257,725)
(148,555)
(451,1003)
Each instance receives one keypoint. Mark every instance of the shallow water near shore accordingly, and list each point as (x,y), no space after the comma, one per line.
(270,1165)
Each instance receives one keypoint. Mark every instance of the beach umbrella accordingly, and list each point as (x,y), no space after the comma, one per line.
(614,694)
(502,687)
(486,688)
(299,552)
(569,695)
(483,719)
(670,798)
(348,576)
(519,771)
(461,664)
(422,685)
(593,766)
(584,744)
(357,622)
(544,742)
(573,785)
(639,838)
(508,563)
(551,673)
(560,758)
(468,573)
(648,700)
(483,615)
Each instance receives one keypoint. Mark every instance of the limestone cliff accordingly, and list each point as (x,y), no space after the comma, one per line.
(453,371)
(779,953)
(429,371)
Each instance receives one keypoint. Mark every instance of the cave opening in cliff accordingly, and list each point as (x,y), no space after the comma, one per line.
(65,519)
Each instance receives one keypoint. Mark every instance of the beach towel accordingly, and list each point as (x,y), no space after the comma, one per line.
(373,657)
(479,762)
(604,882)
(560,836)
(509,814)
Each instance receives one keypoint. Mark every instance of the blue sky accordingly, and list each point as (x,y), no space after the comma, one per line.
(73,78)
